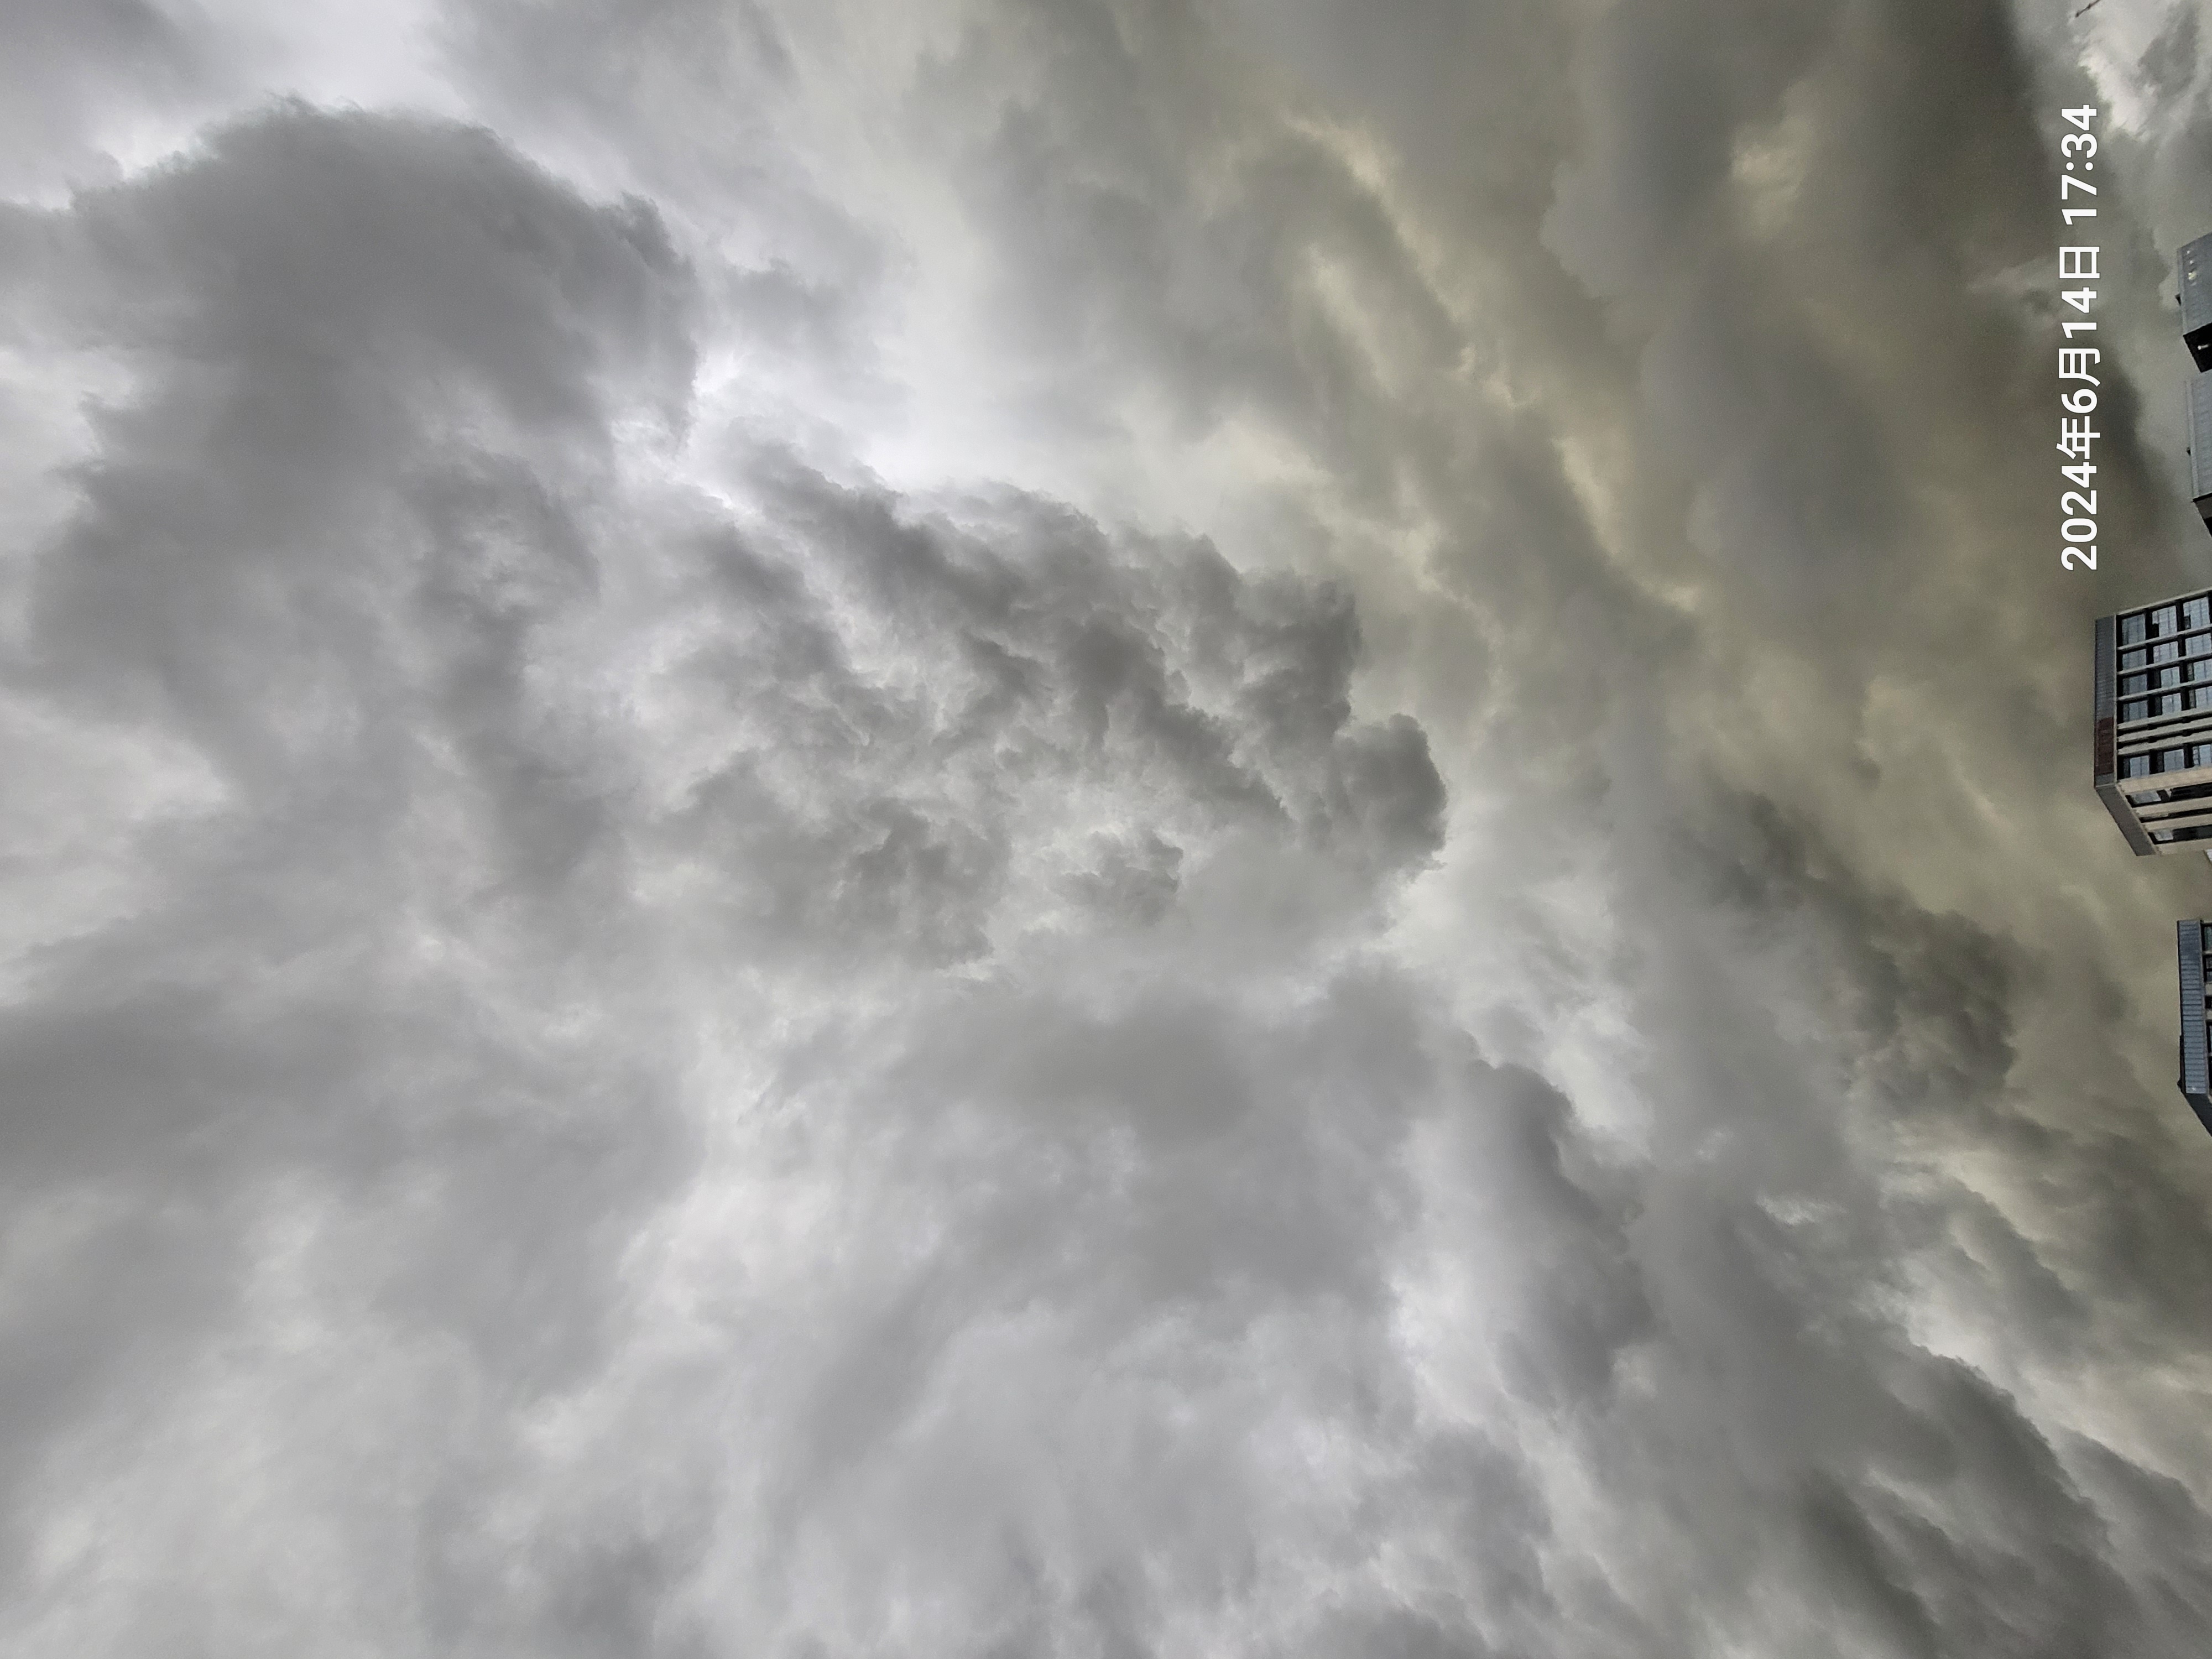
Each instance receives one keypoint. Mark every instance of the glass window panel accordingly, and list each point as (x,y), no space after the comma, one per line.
(2135,659)
(2135,766)
(2169,760)
(2136,683)
(2134,711)
(2131,630)
(2166,651)
(2170,703)
(2167,621)
(2197,612)
(2169,677)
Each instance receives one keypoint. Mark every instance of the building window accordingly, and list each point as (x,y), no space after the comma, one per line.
(2197,612)
(2131,630)
(2166,620)
(2170,703)
(2135,659)
(2169,677)
(2136,683)
(2134,711)
(2166,650)
(2135,766)
(2200,754)
(2169,760)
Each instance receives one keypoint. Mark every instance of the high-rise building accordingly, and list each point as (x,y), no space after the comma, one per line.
(2153,737)
(2194,279)
(2196,1078)
(2200,445)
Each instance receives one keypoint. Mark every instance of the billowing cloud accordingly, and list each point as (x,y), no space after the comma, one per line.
(1083,829)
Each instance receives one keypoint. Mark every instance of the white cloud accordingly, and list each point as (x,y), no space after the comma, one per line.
(693,976)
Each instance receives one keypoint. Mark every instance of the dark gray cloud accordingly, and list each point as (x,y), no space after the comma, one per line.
(695,968)
(69,65)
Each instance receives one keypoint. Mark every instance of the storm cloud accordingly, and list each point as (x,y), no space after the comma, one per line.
(1083,829)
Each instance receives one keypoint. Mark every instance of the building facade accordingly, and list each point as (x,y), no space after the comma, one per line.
(2193,287)
(2196,1078)
(2153,723)
(2199,416)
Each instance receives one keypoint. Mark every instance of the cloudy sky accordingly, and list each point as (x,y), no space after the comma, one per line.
(1085,828)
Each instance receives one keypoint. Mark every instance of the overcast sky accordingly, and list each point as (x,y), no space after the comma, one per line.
(1086,829)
